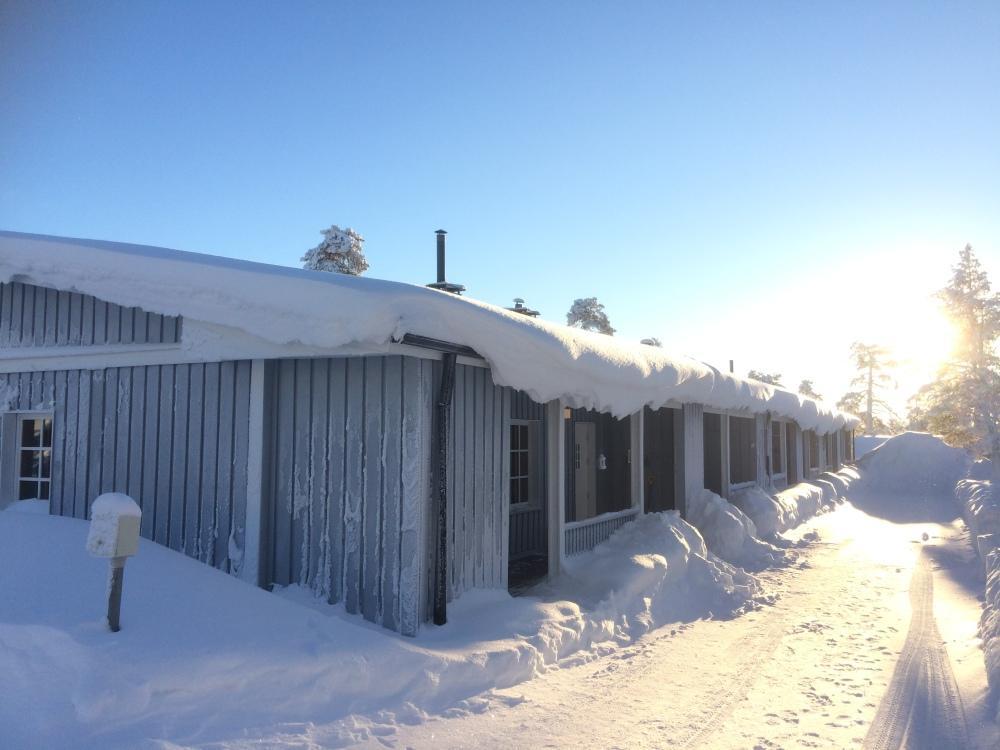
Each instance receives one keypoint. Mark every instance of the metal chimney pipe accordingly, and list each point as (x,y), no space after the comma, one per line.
(441,283)
(440,248)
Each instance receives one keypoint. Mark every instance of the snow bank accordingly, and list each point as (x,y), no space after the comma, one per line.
(647,569)
(203,658)
(864,444)
(729,532)
(981,511)
(989,628)
(914,462)
(328,311)
(774,513)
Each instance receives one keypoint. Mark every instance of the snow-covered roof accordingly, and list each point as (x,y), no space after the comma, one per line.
(330,311)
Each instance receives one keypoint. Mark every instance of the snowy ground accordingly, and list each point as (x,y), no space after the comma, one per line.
(861,633)
(813,670)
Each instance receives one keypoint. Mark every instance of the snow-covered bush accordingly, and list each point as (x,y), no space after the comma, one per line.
(981,511)
(989,625)
(341,251)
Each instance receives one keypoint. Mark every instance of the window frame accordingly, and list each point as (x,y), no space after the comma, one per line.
(752,455)
(779,472)
(811,442)
(532,500)
(12,456)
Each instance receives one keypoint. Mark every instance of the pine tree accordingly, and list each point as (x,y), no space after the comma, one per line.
(872,363)
(771,378)
(587,313)
(963,403)
(341,251)
(806,389)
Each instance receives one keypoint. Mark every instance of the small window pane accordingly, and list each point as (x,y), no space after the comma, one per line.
(43,490)
(46,472)
(524,489)
(30,463)
(31,433)
(27,490)
(47,433)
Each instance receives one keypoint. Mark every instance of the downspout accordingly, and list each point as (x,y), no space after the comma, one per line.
(441,478)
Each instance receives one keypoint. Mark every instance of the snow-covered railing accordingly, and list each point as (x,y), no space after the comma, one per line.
(581,536)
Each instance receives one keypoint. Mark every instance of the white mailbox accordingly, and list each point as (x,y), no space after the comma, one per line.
(114,526)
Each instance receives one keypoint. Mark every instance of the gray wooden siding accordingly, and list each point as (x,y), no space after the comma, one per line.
(173,437)
(349,483)
(528,532)
(478,482)
(37,316)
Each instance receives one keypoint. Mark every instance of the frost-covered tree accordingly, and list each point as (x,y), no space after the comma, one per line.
(873,365)
(963,403)
(341,251)
(587,313)
(771,378)
(806,389)
(652,341)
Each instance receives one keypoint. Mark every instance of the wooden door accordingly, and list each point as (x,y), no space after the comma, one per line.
(658,453)
(585,469)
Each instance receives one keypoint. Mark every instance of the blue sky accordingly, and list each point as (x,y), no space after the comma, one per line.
(766,182)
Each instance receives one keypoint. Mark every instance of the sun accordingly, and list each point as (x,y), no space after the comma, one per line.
(920,339)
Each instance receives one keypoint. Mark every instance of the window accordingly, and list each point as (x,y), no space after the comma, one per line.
(520,463)
(34,458)
(812,447)
(742,450)
(777,444)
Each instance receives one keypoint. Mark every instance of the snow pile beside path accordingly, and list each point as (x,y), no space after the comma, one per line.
(916,463)
(864,444)
(768,514)
(330,310)
(204,659)
(773,514)
(981,511)
(729,532)
(989,627)
(650,571)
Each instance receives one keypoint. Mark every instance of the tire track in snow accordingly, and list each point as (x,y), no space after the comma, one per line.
(750,653)
(921,709)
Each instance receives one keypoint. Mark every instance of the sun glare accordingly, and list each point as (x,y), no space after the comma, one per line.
(920,339)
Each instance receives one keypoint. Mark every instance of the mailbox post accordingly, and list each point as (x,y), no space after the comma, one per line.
(114,534)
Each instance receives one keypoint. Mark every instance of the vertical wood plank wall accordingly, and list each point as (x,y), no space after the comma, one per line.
(478,482)
(37,316)
(349,483)
(173,437)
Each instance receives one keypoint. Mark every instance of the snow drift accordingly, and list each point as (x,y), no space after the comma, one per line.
(914,462)
(203,658)
(981,511)
(729,532)
(330,311)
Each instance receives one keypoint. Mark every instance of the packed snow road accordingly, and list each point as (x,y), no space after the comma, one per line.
(922,707)
(871,642)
